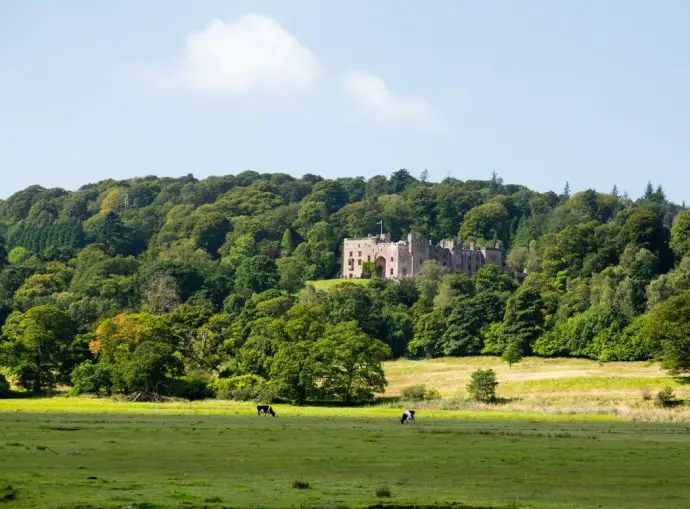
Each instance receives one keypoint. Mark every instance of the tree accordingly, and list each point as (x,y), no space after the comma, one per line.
(468,317)
(116,339)
(352,363)
(295,371)
(37,349)
(680,234)
(257,274)
(512,354)
(491,278)
(92,378)
(429,279)
(524,317)
(162,294)
(291,273)
(368,270)
(150,369)
(401,180)
(451,287)
(668,327)
(209,232)
(427,335)
(487,221)
(482,385)
(4,386)
(287,244)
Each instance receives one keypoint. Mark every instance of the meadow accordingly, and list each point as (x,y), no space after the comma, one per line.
(558,439)
(86,453)
(539,385)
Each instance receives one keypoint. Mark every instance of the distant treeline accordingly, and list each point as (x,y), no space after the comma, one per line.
(197,287)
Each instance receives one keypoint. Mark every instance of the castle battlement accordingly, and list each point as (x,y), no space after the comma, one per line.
(404,258)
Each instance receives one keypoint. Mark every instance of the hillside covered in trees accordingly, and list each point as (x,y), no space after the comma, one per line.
(185,286)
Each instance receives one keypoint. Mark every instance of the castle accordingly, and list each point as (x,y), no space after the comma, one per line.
(403,259)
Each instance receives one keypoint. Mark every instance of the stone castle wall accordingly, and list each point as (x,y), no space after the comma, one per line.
(403,259)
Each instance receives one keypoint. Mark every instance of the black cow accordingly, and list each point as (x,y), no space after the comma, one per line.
(265,409)
(408,415)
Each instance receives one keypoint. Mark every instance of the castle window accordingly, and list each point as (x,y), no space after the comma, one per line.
(391,272)
(359,262)
(404,271)
(359,254)
(350,254)
(391,258)
(421,260)
(368,258)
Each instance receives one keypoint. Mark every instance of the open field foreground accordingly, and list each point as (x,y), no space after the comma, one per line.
(158,455)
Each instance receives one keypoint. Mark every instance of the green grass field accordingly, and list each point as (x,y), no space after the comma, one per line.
(328,284)
(88,453)
(569,433)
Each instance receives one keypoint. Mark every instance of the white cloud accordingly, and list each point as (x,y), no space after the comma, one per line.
(251,53)
(374,99)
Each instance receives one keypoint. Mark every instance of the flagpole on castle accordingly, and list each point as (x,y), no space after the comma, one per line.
(381,223)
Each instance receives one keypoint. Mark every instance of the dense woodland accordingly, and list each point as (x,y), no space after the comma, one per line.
(198,288)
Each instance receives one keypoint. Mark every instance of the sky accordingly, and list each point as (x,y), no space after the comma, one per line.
(594,93)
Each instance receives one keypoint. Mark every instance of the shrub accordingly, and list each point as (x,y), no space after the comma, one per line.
(92,378)
(7,494)
(646,394)
(482,386)
(193,387)
(665,398)
(301,485)
(243,388)
(432,394)
(414,392)
(383,491)
(4,386)
(419,392)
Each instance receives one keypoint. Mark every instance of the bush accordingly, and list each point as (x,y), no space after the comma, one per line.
(4,386)
(194,386)
(482,386)
(432,394)
(301,485)
(414,392)
(419,392)
(91,378)
(383,491)
(665,398)
(243,388)
(646,394)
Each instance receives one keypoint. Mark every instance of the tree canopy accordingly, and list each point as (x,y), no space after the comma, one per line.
(152,283)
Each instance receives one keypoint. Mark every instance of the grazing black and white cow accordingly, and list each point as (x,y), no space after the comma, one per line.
(265,409)
(408,415)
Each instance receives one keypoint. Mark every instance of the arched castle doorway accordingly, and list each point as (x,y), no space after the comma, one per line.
(381,267)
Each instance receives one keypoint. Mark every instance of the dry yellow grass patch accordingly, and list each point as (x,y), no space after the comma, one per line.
(547,386)
(450,375)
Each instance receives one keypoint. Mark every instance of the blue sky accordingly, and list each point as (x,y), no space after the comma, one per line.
(596,93)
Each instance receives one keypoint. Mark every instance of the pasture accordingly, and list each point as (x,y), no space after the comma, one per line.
(538,385)
(87,453)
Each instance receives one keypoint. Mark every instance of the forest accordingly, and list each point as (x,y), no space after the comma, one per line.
(201,288)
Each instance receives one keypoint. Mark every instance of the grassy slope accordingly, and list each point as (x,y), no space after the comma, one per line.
(548,385)
(450,374)
(328,284)
(181,456)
